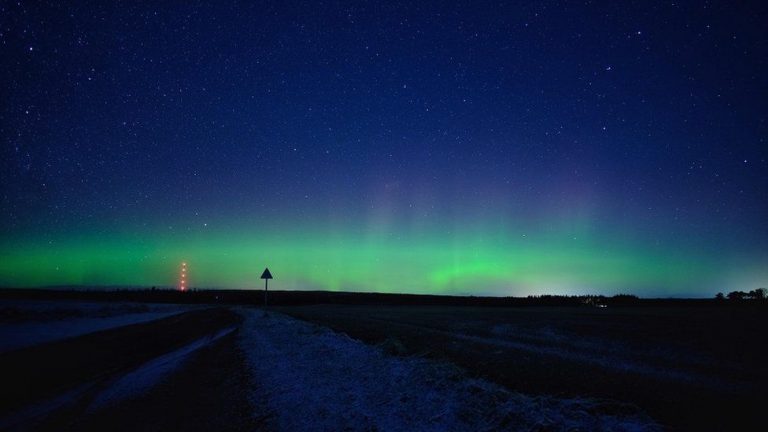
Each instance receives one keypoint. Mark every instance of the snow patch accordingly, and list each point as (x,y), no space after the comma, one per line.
(146,376)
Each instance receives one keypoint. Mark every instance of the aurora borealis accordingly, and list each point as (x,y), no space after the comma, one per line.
(462,263)
(394,147)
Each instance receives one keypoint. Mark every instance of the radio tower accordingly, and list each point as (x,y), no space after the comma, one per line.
(183,280)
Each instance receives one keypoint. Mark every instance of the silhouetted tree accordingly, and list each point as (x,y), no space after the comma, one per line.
(761,294)
(719,296)
(736,295)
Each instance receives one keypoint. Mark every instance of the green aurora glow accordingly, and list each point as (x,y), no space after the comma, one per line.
(459,263)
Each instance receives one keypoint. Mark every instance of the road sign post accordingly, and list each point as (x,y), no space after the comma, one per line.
(266,275)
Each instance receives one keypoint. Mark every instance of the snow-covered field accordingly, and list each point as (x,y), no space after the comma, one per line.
(28,323)
(311,378)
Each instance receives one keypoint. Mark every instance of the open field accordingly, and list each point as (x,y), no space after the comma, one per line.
(56,385)
(145,366)
(29,323)
(691,368)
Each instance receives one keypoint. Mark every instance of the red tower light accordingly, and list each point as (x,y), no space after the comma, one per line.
(183,279)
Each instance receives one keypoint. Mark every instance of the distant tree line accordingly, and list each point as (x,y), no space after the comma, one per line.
(588,300)
(584,296)
(757,294)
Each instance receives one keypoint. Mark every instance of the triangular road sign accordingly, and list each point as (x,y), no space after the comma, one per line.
(266,274)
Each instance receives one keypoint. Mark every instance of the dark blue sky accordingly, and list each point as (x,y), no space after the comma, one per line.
(647,120)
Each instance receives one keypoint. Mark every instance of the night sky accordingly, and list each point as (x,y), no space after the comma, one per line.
(472,148)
